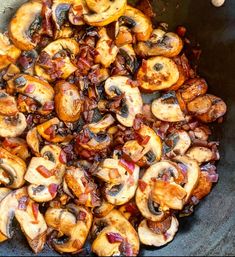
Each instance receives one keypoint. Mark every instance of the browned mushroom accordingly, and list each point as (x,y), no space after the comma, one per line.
(8,106)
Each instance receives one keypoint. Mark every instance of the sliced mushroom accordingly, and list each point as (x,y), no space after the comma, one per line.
(32,224)
(106,52)
(98,6)
(3,193)
(43,172)
(8,106)
(79,184)
(193,88)
(41,193)
(73,225)
(13,167)
(139,23)
(200,105)
(121,179)
(157,73)
(148,207)
(167,108)
(8,52)
(104,209)
(163,234)
(146,152)
(124,36)
(132,102)
(33,140)
(115,10)
(161,43)
(9,204)
(177,143)
(12,126)
(16,146)
(24,24)
(200,154)
(204,186)
(76,12)
(54,154)
(48,131)
(192,170)
(128,53)
(113,232)
(217,110)
(68,103)
(34,88)
(60,51)
(102,125)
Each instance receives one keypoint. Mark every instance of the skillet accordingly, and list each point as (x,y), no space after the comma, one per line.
(210,231)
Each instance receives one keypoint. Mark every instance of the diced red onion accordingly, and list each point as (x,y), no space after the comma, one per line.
(114,237)
(129,166)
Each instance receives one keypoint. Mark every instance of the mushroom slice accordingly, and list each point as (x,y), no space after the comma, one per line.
(81,187)
(104,209)
(131,103)
(128,53)
(106,52)
(73,223)
(8,106)
(14,168)
(121,179)
(102,125)
(12,126)
(161,43)
(32,224)
(204,186)
(98,6)
(9,204)
(114,235)
(43,172)
(48,131)
(54,154)
(34,88)
(139,23)
(193,88)
(41,193)
(8,52)
(145,151)
(3,193)
(200,154)
(157,73)
(163,232)
(124,36)
(167,108)
(76,12)
(192,170)
(60,53)
(217,110)
(33,140)
(148,207)
(24,24)
(115,10)
(16,146)
(176,143)
(68,103)
(199,105)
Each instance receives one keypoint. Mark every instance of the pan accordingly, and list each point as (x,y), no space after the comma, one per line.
(210,231)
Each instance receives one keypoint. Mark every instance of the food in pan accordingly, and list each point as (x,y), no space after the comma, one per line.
(82,153)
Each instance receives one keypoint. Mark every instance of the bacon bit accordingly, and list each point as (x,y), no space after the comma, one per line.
(82,199)
(144,66)
(81,215)
(48,106)
(63,157)
(138,122)
(22,203)
(9,143)
(29,89)
(44,171)
(142,185)
(143,140)
(52,188)
(114,237)
(131,208)
(181,31)
(129,166)
(50,130)
(35,208)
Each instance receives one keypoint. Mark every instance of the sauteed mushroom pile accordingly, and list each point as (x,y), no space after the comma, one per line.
(83,153)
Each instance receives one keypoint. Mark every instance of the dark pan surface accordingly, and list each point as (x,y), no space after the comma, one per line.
(211,230)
